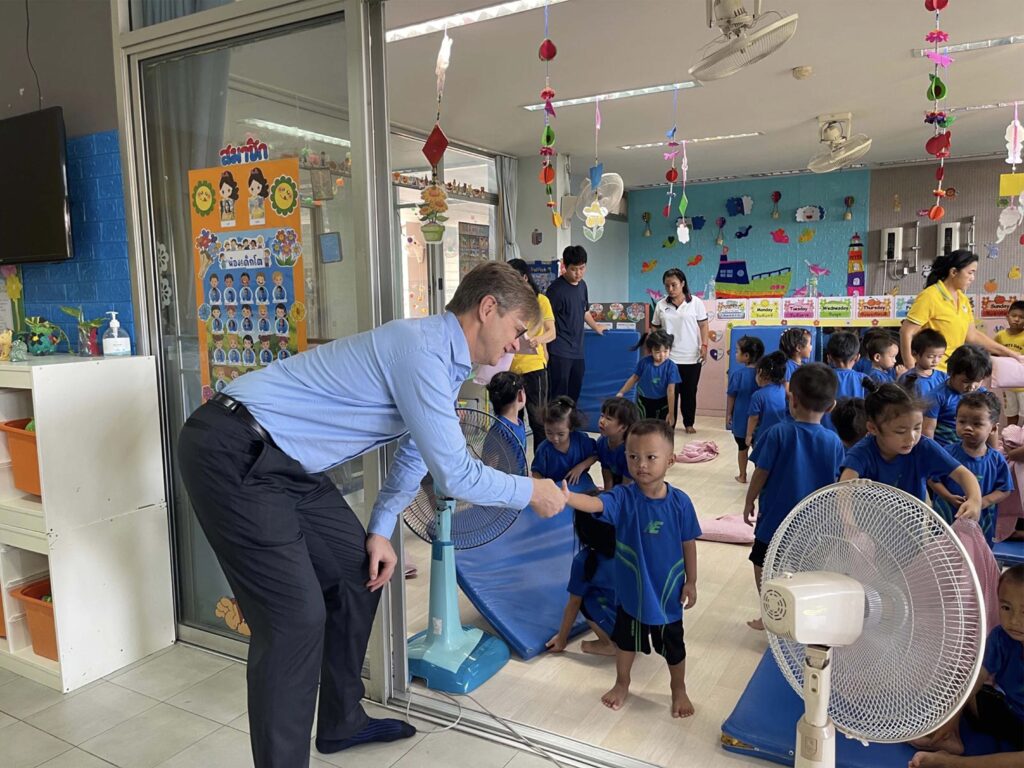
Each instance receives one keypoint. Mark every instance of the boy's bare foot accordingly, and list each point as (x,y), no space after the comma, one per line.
(934,760)
(740,478)
(681,704)
(948,742)
(598,647)
(756,624)
(616,697)
(691,431)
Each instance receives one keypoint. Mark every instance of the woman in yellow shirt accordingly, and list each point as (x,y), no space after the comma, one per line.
(943,306)
(531,362)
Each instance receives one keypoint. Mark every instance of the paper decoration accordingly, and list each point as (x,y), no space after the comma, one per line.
(810,213)
(695,260)
(593,228)
(647,266)
(991,286)
(697,223)
(682,231)
(939,144)
(897,204)
(780,236)
(672,155)
(646,218)
(654,294)
(855,279)
(743,231)
(720,223)
(992,250)
(1014,273)
(848,213)
(807,235)
(547,53)
(739,206)
(776,196)
(669,242)
(817,270)
(1009,219)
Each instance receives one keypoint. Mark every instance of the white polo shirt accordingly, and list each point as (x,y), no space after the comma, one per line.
(681,323)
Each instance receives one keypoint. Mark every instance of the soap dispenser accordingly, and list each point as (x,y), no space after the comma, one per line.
(115,341)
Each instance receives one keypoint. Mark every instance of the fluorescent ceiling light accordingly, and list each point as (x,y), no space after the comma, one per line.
(694,141)
(465,18)
(616,95)
(977,45)
(980,107)
(299,133)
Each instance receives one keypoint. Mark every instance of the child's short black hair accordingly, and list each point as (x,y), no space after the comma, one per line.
(653,427)
(504,388)
(1017,306)
(850,420)
(574,255)
(655,339)
(971,361)
(622,410)
(983,401)
(773,367)
(1012,575)
(842,347)
(564,409)
(752,347)
(871,333)
(888,401)
(878,344)
(792,339)
(814,385)
(925,339)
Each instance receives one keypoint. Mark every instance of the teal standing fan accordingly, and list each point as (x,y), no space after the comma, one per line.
(448,656)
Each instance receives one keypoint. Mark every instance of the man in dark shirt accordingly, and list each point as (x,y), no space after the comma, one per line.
(570,305)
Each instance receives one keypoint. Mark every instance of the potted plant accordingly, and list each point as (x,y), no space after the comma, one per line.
(43,337)
(432,212)
(88,331)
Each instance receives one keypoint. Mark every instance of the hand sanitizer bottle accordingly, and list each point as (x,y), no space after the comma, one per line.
(115,341)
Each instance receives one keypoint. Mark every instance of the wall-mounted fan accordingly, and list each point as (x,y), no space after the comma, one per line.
(841,148)
(741,42)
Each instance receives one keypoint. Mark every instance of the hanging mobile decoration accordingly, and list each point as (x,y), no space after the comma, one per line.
(720,223)
(776,196)
(848,201)
(547,53)
(939,143)
(646,218)
(682,230)
(596,213)
(672,175)
(435,203)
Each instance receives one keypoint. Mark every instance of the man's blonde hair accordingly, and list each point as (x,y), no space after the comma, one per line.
(505,284)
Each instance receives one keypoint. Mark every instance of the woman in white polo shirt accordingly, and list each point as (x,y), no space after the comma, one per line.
(684,317)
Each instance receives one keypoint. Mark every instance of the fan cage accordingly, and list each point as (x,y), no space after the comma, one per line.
(473,525)
(744,50)
(920,652)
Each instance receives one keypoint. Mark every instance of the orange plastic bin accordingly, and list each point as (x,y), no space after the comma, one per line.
(24,457)
(39,617)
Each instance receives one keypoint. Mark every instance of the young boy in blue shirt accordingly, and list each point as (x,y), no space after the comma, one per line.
(508,396)
(617,415)
(849,420)
(967,367)
(656,378)
(768,404)
(842,353)
(567,452)
(882,351)
(927,347)
(741,387)
(977,415)
(793,459)
(655,561)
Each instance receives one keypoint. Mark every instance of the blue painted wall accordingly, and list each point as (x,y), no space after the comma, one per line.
(97,277)
(828,248)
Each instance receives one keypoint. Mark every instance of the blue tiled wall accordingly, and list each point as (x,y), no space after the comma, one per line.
(97,277)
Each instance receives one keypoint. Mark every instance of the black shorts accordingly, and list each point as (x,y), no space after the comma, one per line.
(757,552)
(741,442)
(996,718)
(652,407)
(632,636)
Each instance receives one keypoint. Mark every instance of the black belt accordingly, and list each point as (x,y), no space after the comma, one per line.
(239,410)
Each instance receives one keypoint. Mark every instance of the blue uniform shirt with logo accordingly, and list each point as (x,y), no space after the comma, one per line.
(908,472)
(654,379)
(551,463)
(649,536)
(993,474)
(742,385)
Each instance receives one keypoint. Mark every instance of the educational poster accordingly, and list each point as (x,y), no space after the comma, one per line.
(731,309)
(874,307)
(474,245)
(544,273)
(621,316)
(799,308)
(998,305)
(766,309)
(835,308)
(247,241)
(903,305)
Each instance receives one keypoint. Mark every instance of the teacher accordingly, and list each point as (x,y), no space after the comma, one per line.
(304,571)
(684,317)
(943,306)
(531,361)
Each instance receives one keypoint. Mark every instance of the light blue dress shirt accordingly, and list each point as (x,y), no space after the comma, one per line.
(399,381)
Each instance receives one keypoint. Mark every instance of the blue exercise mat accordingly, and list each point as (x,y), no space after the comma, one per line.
(518,581)
(1009,552)
(763,725)
(609,362)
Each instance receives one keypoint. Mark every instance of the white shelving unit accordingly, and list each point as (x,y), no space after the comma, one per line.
(100,527)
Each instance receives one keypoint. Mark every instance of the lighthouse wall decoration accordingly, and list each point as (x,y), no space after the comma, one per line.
(855,267)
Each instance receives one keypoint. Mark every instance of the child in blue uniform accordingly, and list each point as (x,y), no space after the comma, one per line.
(795,344)
(996,705)
(768,404)
(793,460)
(976,416)
(967,366)
(655,378)
(849,420)
(655,561)
(567,452)
(741,387)
(895,452)
(842,353)
(508,396)
(927,347)
(882,351)
(617,415)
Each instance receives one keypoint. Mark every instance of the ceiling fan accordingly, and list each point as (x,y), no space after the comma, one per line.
(741,42)
(841,148)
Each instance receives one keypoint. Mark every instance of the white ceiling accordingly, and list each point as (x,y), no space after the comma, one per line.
(860,51)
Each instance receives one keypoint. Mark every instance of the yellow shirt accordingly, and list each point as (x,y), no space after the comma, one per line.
(935,308)
(538,360)
(1014,342)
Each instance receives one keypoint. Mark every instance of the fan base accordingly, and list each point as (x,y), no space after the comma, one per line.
(456,670)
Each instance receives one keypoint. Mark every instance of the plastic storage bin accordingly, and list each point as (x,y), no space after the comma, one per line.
(39,617)
(24,457)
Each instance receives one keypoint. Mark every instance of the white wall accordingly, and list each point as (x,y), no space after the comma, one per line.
(532,213)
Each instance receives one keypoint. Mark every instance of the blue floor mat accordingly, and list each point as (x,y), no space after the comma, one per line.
(518,581)
(1009,552)
(763,725)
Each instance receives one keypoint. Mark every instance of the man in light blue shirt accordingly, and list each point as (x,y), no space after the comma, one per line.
(294,553)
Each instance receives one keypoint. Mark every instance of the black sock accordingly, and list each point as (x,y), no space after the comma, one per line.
(376,730)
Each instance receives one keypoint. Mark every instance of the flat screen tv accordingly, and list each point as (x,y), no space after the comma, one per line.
(34,213)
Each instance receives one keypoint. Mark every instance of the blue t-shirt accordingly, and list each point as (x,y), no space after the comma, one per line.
(654,379)
(851,384)
(942,403)
(553,464)
(613,459)
(598,593)
(923,385)
(791,366)
(742,385)
(882,376)
(769,405)
(649,536)
(993,474)
(910,472)
(1004,660)
(799,458)
(499,439)
(568,304)
(863,366)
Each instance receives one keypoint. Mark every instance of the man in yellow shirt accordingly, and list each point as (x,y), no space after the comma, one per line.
(1012,337)
(531,362)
